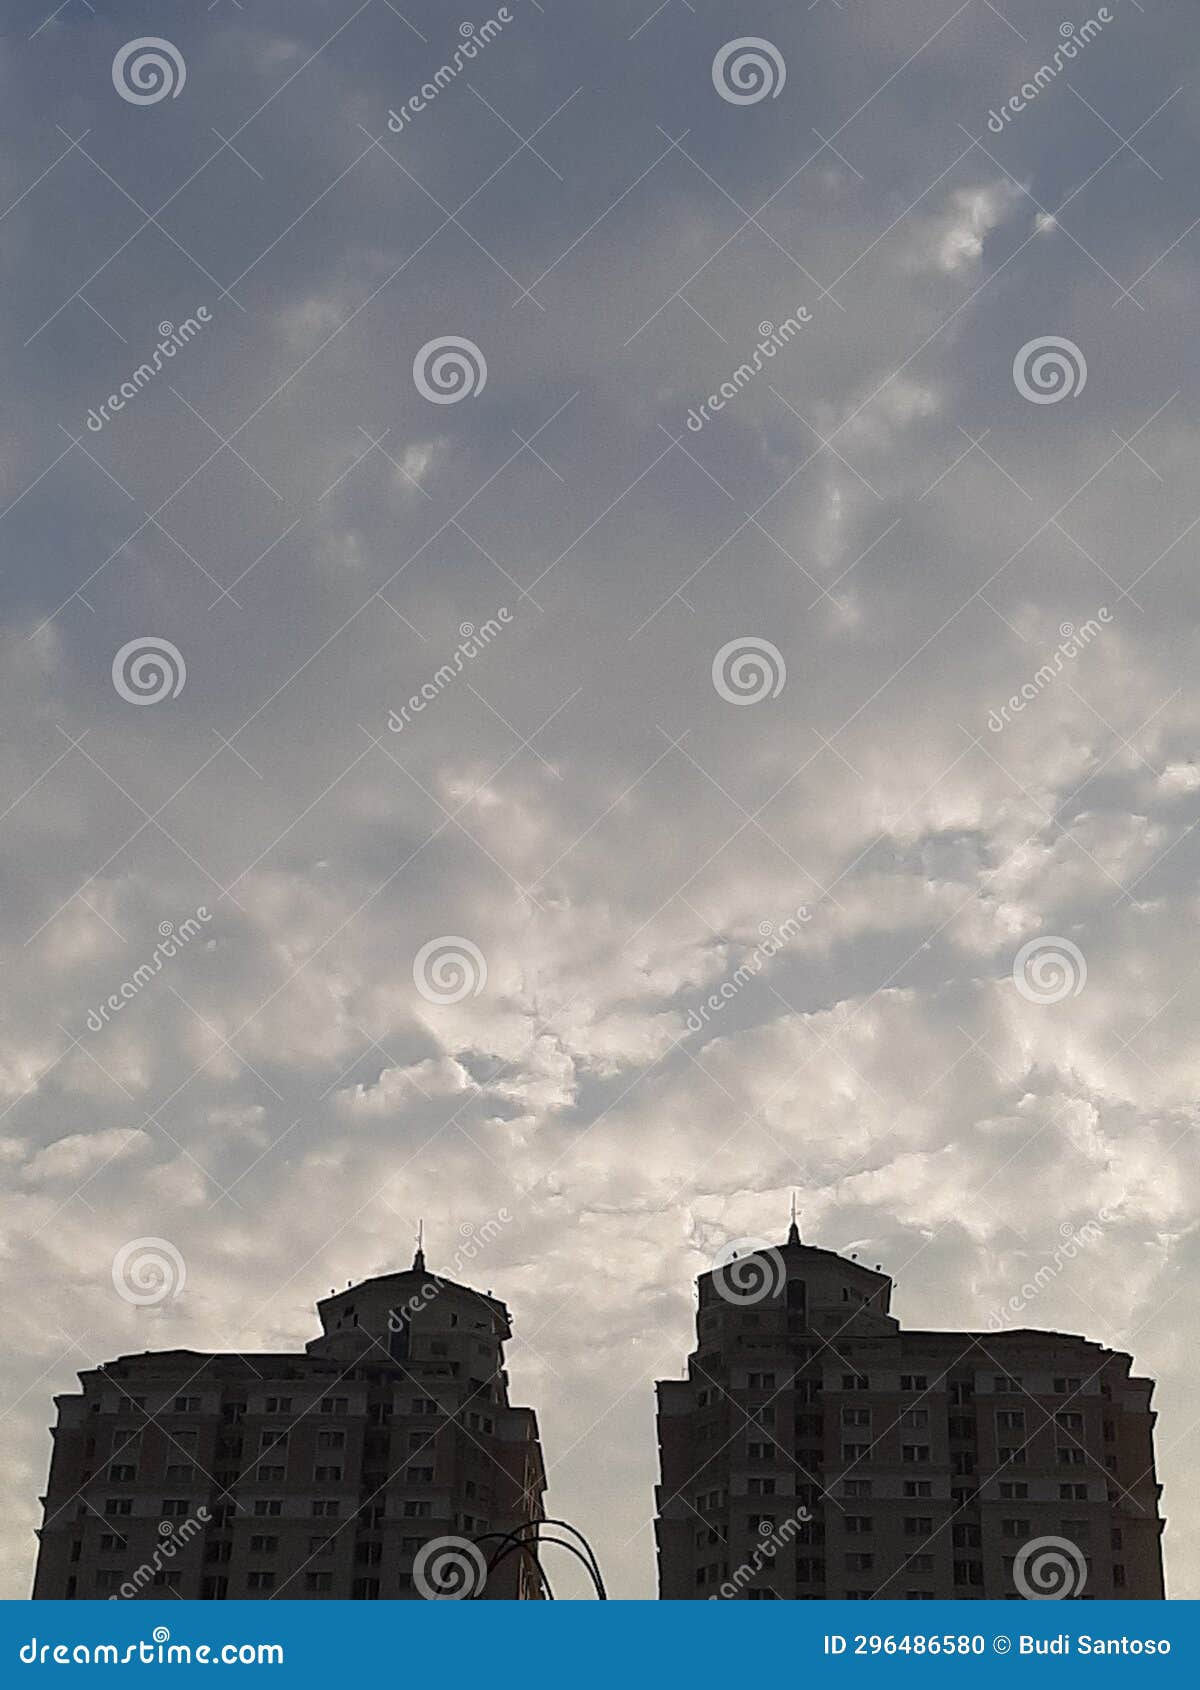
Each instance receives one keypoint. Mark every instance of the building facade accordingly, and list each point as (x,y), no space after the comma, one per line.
(816,1450)
(326,1473)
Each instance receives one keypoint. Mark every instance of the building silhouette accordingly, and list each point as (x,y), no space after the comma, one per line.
(327,1473)
(817,1450)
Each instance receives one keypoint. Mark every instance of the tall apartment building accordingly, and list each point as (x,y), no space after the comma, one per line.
(318,1474)
(816,1450)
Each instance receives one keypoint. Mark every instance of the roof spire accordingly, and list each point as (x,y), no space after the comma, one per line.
(793,1236)
(419,1259)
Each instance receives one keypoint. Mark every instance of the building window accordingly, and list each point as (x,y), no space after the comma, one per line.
(914,1381)
(1014,1528)
(1011,1491)
(858,1524)
(335,1405)
(856,1417)
(761,1381)
(327,1475)
(317,1583)
(268,1506)
(121,1473)
(1006,1385)
(854,1452)
(186,1405)
(278,1405)
(857,1562)
(260,1580)
(855,1382)
(915,1418)
(325,1510)
(918,1525)
(1064,1387)
(1010,1419)
(177,1506)
(914,1452)
(918,1487)
(856,1487)
(965,1536)
(260,1545)
(366,1590)
(760,1487)
(269,1475)
(331,1440)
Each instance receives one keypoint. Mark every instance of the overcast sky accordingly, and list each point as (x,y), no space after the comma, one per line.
(730,669)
